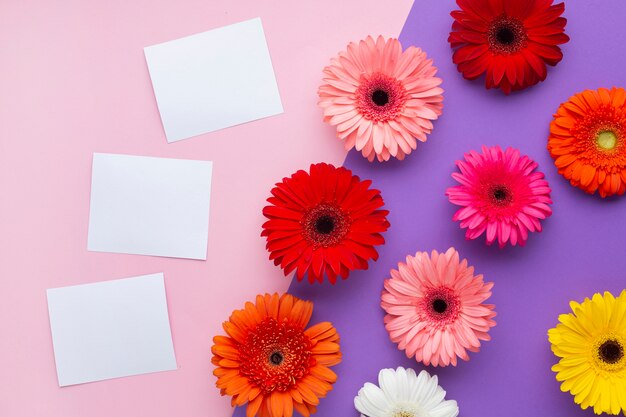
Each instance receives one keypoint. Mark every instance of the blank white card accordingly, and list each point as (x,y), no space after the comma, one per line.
(213,80)
(110,329)
(149,206)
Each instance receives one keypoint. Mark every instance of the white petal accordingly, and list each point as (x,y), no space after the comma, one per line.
(420,388)
(371,401)
(387,381)
(445,409)
(436,398)
(402,388)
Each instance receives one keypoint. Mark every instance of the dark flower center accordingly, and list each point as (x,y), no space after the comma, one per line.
(380,97)
(275,355)
(276,358)
(440,305)
(325,224)
(506,35)
(501,195)
(611,351)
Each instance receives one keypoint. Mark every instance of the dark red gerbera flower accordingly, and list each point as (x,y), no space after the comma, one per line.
(324,222)
(511,41)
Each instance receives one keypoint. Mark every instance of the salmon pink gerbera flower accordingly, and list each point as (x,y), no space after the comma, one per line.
(501,194)
(381,98)
(271,361)
(588,141)
(511,41)
(435,308)
(324,222)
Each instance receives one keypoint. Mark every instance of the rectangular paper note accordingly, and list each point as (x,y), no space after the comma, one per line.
(110,329)
(213,80)
(149,206)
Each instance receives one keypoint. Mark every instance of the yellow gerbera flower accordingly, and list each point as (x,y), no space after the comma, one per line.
(591,343)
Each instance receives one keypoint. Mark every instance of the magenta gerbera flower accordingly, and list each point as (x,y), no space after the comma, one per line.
(435,308)
(380,98)
(501,194)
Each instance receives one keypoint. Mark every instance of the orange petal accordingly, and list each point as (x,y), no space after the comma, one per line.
(307,394)
(324,373)
(587,174)
(253,406)
(276,404)
(287,404)
(302,409)
(227,352)
(286,305)
(323,348)
(320,331)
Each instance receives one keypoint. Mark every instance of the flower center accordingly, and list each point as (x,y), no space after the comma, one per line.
(440,306)
(275,355)
(608,353)
(276,358)
(506,35)
(599,138)
(325,225)
(611,351)
(407,409)
(500,195)
(380,97)
(606,140)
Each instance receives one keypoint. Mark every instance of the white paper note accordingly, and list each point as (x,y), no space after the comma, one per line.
(213,80)
(149,206)
(110,329)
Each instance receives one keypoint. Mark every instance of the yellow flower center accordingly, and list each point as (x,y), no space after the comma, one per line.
(606,140)
(609,353)
(403,414)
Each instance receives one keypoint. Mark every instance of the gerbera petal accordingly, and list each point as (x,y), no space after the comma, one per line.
(314,236)
(503,39)
(390,86)
(586,140)
(590,345)
(294,375)
(402,392)
(496,187)
(428,295)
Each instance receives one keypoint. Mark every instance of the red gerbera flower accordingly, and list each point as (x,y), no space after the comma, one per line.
(324,222)
(511,41)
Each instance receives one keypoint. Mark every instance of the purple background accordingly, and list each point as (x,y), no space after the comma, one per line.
(580,251)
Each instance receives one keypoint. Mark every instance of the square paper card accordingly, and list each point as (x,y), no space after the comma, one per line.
(110,329)
(212,80)
(149,206)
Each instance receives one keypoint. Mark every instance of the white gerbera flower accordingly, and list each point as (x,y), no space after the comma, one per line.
(402,393)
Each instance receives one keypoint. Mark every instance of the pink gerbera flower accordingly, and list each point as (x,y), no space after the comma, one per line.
(380,98)
(501,194)
(435,308)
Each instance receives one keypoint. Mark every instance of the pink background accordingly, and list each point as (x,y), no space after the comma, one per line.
(73,81)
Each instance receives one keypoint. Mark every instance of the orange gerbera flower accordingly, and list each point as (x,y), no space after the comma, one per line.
(588,141)
(271,362)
